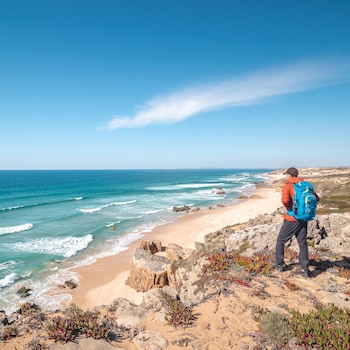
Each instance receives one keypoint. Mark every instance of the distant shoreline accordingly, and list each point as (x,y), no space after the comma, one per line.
(76,217)
(104,280)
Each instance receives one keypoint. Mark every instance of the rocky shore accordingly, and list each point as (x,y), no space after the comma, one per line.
(221,308)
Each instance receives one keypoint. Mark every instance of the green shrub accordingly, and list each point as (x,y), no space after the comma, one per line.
(274,327)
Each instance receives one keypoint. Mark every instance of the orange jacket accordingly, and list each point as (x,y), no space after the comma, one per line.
(287,196)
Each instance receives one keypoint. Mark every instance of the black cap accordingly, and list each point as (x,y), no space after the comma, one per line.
(292,171)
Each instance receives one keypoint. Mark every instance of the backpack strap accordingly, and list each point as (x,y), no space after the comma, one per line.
(291,211)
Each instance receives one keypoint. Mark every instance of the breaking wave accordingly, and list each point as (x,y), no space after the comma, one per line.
(65,247)
(14,229)
(93,210)
(9,279)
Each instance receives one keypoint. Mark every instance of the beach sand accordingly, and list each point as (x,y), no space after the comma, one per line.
(104,281)
(223,321)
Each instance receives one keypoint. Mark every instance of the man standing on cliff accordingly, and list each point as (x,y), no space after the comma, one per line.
(292,227)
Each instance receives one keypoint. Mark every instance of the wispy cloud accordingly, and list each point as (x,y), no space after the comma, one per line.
(250,89)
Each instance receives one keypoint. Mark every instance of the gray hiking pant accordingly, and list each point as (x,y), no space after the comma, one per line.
(288,230)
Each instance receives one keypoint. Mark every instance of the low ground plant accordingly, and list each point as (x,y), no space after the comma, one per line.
(275,328)
(343,272)
(177,313)
(235,267)
(326,327)
(77,322)
(7,333)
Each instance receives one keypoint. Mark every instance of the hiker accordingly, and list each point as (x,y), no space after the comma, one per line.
(292,226)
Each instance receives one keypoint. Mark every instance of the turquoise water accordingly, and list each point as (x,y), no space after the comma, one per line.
(51,221)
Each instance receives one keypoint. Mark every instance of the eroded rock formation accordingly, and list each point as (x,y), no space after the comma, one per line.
(148,271)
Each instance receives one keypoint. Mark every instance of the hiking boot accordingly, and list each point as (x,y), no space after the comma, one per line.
(281,267)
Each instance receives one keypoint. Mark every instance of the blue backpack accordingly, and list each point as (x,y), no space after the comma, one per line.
(304,201)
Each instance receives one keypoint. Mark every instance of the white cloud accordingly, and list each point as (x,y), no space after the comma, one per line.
(251,89)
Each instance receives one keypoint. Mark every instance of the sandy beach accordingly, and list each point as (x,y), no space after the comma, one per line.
(104,281)
(225,316)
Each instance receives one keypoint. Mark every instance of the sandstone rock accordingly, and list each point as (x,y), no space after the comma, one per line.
(329,232)
(151,246)
(183,277)
(258,238)
(128,314)
(148,271)
(191,291)
(153,300)
(332,232)
(149,340)
(175,252)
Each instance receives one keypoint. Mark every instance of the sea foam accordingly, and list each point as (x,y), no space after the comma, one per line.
(184,186)
(93,210)
(13,229)
(7,264)
(65,247)
(9,279)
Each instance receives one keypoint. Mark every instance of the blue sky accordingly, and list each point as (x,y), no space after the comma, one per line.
(114,84)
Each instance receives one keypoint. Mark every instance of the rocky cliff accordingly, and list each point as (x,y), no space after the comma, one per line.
(223,303)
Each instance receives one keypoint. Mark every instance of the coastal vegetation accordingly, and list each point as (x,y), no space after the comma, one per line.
(335,204)
(244,275)
(326,327)
(76,322)
(177,313)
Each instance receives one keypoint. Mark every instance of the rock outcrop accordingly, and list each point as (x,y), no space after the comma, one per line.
(230,324)
(175,252)
(152,247)
(180,209)
(148,271)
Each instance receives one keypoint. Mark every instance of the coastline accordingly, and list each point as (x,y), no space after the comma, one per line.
(225,312)
(104,280)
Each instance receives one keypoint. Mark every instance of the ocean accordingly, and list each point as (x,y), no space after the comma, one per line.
(52,221)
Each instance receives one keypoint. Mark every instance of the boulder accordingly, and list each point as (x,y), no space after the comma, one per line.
(23,292)
(175,252)
(219,190)
(70,284)
(183,208)
(130,315)
(151,246)
(148,271)
(331,232)
(150,340)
